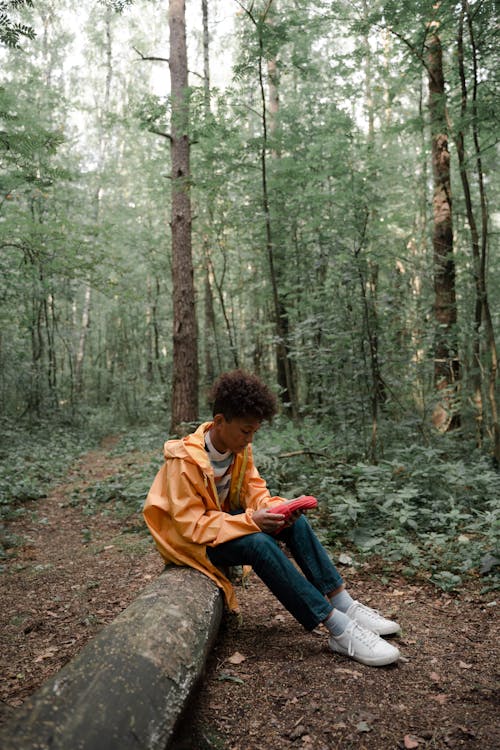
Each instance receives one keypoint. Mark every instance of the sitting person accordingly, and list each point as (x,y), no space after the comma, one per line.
(208,508)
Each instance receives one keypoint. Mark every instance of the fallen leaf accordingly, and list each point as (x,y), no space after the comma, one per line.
(344,670)
(363,726)
(344,559)
(224,676)
(442,698)
(435,677)
(236,658)
(410,742)
(464,665)
(466,730)
(47,654)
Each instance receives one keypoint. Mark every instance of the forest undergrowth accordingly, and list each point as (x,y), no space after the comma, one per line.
(76,553)
(431,508)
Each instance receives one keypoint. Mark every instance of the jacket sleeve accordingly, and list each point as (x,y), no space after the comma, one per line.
(191,515)
(256,494)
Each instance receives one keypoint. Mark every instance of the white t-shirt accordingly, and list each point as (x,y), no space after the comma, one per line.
(222,464)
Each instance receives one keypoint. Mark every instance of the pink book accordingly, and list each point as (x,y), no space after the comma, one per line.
(304,502)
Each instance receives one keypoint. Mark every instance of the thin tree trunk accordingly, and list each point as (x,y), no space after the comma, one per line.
(102,147)
(185,335)
(479,246)
(209,312)
(149,331)
(284,367)
(284,370)
(446,415)
(377,388)
(84,328)
(49,317)
(37,348)
(219,285)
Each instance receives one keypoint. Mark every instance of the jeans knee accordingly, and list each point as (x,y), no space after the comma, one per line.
(300,529)
(262,546)
(301,523)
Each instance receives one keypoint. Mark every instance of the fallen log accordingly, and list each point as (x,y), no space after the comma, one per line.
(128,686)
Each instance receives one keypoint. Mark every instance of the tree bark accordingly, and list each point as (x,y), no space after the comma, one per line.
(479,241)
(209,312)
(185,334)
(128,687)
(446,415)
(283,363)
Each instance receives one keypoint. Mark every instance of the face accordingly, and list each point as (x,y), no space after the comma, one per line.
(234,435)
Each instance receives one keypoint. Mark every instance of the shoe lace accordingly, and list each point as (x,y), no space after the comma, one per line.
(357,632)
(374,614)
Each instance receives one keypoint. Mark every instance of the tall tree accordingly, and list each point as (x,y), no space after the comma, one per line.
(102,150)
(269,108)
(446,414)
(209,338)
(479,232)
(185,335)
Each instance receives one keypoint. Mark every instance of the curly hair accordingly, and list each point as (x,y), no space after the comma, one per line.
(238,394)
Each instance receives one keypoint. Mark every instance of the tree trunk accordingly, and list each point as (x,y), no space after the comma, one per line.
(283,364)
(84,328)
(48,306)
(377,390)
(446,415)
(102,148)
(185,335)
(479,244)
(209,312)
(284,369)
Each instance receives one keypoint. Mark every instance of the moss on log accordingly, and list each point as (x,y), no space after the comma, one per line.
(128,686)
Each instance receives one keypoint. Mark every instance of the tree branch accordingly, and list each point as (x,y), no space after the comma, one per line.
(160,132)
(291,454)
(150,57)
(153,58)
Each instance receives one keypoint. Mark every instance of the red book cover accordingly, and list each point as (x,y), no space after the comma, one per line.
(304,502)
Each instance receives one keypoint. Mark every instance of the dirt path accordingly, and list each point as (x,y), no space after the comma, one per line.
(70,575)
(269,685)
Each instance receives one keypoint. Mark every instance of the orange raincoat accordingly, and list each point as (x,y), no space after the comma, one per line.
(183,512)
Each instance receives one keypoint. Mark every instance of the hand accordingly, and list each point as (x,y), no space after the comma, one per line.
(295,515)
(268,521)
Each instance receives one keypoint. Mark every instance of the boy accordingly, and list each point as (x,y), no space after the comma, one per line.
(208,508)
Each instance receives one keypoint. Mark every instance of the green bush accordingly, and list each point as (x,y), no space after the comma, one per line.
(426,507)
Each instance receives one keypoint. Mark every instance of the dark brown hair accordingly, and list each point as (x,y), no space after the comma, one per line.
(241,394)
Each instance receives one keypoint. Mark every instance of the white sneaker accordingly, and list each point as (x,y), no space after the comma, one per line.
(364,646)
(369,618)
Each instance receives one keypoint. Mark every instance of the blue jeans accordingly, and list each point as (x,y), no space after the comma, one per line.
(302,595)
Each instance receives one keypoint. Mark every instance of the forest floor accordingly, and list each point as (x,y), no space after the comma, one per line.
(269,685)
